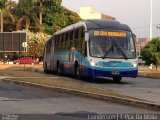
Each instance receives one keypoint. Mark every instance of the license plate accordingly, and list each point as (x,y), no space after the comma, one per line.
(115,73)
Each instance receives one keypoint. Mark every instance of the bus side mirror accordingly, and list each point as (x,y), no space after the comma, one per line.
(134,38)
(86,36)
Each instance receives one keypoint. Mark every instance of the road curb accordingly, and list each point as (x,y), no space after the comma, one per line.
(148,76)
(113,99)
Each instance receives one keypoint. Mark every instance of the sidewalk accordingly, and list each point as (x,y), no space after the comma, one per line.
(146,72)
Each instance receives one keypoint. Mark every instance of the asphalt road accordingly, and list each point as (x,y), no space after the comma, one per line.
(144,88)
(17,99)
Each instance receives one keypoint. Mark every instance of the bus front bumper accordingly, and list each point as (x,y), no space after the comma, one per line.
(112,73)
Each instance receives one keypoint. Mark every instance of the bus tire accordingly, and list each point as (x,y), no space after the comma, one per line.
(77,74)
(58,69)
(117,79)
(46,69)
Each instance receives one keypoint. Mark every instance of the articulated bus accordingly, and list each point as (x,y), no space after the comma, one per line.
(92,48)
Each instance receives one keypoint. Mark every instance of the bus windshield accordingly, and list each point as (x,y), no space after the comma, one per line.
(111,44)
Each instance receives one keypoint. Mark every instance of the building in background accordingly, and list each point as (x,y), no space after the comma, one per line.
(90,13)
(141,42)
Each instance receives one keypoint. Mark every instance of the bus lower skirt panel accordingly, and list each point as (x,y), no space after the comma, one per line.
(101,73)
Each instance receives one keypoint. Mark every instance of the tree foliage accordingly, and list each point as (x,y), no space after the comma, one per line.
(26,15)
(57,17)
(151,52)
(36,43)
(38,15)
(71,17)
(41,17)
(8,19)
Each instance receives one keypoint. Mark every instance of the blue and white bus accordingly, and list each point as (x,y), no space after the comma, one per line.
(92,48)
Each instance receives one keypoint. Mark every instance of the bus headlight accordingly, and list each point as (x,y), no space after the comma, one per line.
(134,65)
(93,64)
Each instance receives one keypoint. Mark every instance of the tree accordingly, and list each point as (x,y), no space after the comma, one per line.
(71,17)
(5,10)
(57,17)
(27,17)
(40,11)
(151,52)
(36,15)
(46,3)
(36,42)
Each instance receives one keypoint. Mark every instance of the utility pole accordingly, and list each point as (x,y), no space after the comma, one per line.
(1,12)
(40,13)
(150,35)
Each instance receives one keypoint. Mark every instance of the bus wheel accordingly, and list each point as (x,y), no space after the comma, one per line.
(117,79)
(46,69)
(77,74)
(58,69)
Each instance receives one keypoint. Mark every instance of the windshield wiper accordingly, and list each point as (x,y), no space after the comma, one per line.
(122,52)
(108,51)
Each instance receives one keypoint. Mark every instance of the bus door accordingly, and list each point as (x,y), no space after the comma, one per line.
(70,66)
(83,61)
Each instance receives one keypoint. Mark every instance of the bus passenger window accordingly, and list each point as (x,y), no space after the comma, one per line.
(82,33)
(72,43)
(55,47)
(59,43)
(63,42)
(78,44)
(48,48)
(71,35)
(84,48)
(67,41)
(76,34)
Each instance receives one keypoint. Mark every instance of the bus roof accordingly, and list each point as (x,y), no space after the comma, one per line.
(97,24)
(106,24)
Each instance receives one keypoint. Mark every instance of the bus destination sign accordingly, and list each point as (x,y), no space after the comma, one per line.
(108,33)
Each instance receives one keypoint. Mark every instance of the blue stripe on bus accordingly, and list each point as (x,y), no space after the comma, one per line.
(105,69)
(107,72)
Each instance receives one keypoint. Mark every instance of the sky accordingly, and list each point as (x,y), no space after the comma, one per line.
(135,13)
